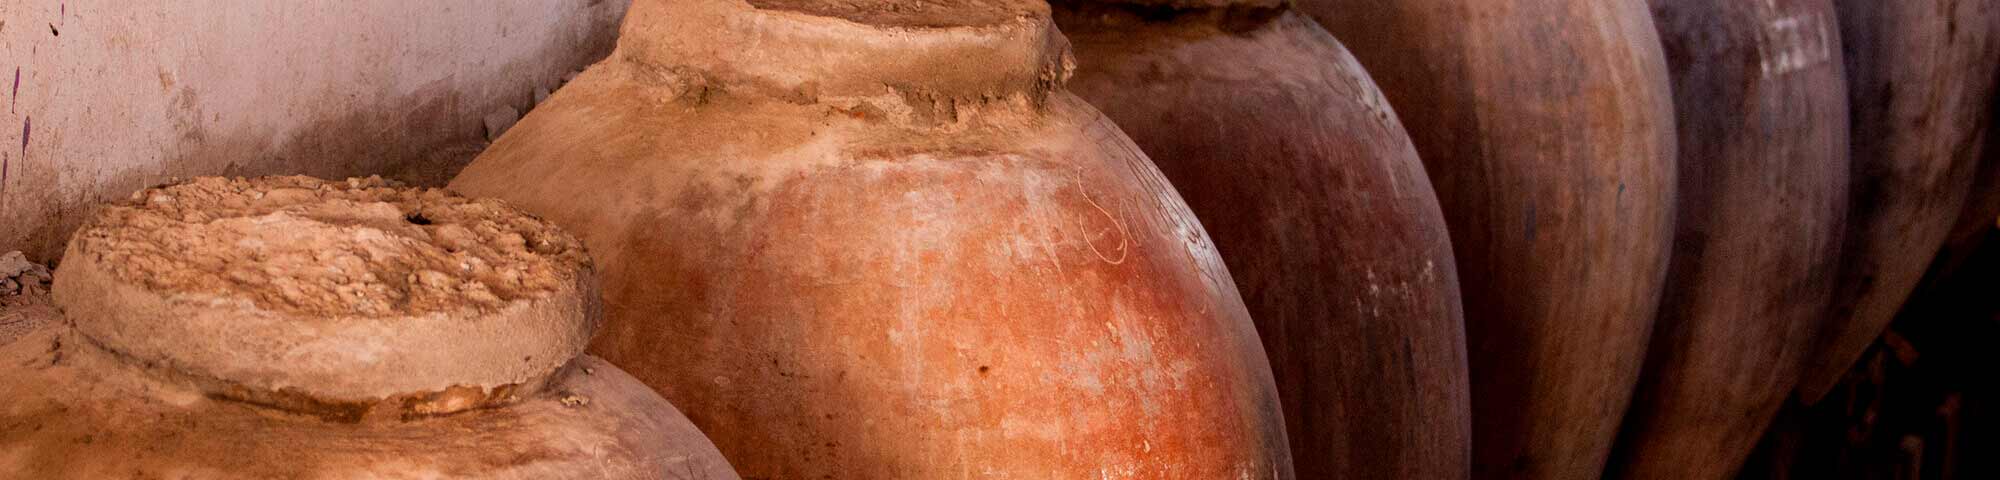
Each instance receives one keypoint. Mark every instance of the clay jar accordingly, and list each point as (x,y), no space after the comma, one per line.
(294,328)
(1296,165)
(879,240)
(1547,128)
(1762,106)
(1976,219)
(1920,76)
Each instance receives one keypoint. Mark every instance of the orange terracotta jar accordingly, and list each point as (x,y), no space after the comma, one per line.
(1547,127)
(293,328)
(1314,194)
(880,240)
(1762,109)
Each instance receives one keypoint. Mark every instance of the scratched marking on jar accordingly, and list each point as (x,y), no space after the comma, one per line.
(1795,42)
(1123,235)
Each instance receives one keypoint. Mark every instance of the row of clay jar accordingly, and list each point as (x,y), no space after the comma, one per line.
(883,239)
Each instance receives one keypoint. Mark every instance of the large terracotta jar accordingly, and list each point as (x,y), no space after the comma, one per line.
(880,240)
(294,328)
(1547,128)
(1920,76)
(1762,106)
(1315,197)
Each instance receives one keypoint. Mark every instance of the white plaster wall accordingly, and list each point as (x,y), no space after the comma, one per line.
(118,95)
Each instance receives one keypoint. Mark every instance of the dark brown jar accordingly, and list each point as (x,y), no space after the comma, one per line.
(1547,128)
(1976,219)
(1762,109)
(880,240)
(1920,78)
(1301,172)
(288,327)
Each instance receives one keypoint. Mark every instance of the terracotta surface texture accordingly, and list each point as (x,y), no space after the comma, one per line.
(288,327)
(1762,105)
(1316,199)
(1547,128)
(880,243)
(1920,78)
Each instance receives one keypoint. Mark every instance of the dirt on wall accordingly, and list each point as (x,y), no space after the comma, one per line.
(103,97)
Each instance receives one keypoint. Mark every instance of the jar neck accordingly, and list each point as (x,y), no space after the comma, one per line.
(812,50)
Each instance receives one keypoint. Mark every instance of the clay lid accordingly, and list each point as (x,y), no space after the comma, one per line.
(313,295)
(809,49)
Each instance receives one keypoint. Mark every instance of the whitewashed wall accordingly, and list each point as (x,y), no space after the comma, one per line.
(116,95)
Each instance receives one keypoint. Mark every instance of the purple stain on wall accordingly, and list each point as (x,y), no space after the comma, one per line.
(6,164)
(16,98)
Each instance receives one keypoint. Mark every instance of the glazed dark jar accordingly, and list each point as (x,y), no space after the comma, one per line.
(289,327)
(880,240)
(1547,127)
(1299,169)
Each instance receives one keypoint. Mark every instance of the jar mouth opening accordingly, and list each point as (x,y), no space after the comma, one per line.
(316,249)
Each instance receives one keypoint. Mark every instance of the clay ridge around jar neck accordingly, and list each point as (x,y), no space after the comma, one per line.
(395,408)
(321,297)
(908,55)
